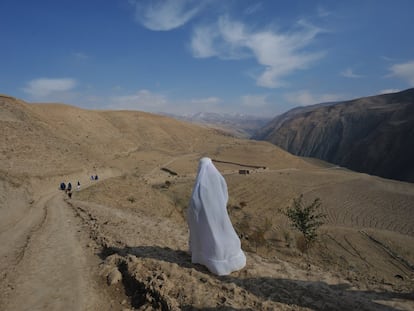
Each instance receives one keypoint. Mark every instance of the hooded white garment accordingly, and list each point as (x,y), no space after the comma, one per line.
(213,240)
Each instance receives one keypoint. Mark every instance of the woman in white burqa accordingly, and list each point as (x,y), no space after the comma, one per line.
(213,241)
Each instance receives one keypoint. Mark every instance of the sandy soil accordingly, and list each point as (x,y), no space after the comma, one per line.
(46,261)
(346,270)
(120,243)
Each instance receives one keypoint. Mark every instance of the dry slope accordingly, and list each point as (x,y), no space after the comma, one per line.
(128,228)
(372,134)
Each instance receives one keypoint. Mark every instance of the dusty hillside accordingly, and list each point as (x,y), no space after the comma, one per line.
(120,242)
(371,135)
(360,248)
(52,138)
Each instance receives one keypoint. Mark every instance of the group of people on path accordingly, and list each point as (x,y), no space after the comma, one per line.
(68,188)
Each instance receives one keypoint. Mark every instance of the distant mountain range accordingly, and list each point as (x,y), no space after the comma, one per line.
(373,134)
(239,125)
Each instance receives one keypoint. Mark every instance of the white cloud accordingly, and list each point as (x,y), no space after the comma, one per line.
(143,100)
(404,71)
(254,101)
(279,53)
(388,91)
(224,39)
(202,42)
(306,98)
(162,15)
(44,88)
(349,73)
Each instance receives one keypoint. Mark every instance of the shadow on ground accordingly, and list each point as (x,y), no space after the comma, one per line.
(309,294)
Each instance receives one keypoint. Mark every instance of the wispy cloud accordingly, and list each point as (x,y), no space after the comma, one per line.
(306,98)
(279,53)
(206,101)
(44,88)
(142,100)
(349,73)
(404,71)
(387,91)
(202,42)
(163,15)
(254,101)
(224,39)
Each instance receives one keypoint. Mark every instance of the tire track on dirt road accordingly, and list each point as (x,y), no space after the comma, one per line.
(53,272)
(15,237)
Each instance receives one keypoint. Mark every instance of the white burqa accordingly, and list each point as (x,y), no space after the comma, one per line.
(213,241)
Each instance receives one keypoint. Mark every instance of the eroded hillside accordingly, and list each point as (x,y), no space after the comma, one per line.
(372,135)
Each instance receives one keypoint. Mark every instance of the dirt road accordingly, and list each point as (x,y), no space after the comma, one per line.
(47,265)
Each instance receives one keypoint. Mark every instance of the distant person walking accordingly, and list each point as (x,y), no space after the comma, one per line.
(78,186)
(213,241)
(69,186)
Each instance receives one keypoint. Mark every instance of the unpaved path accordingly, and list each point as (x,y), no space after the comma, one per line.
(50,270)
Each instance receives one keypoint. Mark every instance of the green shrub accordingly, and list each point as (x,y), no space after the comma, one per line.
(305,218)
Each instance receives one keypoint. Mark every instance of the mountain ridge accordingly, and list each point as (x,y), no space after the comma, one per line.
(237,124)
(369,134)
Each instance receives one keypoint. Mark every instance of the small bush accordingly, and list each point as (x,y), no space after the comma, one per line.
(305,218)
(131,199)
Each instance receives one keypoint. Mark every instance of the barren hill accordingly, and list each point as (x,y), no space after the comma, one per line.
(372,134)
(62,137)
(120,242)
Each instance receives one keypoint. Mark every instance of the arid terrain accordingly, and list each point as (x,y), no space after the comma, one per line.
(371,135)
(120,242)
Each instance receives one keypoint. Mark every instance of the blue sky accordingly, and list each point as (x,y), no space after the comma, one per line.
(185,56)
